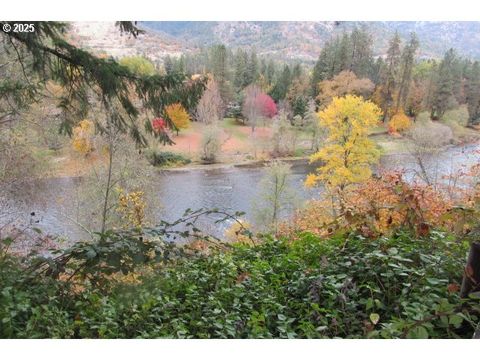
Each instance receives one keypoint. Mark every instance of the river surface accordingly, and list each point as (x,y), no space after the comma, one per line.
(228,189)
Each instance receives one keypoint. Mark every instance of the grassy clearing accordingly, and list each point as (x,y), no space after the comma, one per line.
(232,126)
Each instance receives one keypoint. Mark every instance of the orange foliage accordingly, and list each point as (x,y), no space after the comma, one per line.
(399,123)
(376,207)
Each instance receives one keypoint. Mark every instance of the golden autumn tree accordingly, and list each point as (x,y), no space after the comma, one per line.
(348,153)
(83,137)
(399,123)
(178,115)
(131,207)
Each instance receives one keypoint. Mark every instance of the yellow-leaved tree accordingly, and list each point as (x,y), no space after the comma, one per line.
(179,116)
(131,207)
(83,137)
(347,152)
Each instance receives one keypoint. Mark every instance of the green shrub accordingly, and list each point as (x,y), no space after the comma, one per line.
(458,116)
(349,287)
(166,158)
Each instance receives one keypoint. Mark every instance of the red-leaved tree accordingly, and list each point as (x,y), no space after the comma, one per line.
(257,105)
(267,106)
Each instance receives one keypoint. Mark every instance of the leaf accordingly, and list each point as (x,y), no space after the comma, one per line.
(474,295)
(432,281)
(393,251)
(418,332)
(369,304)
(374,318)
(455,320)
(91,254)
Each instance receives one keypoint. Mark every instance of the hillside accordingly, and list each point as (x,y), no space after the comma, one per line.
(305,39)
(104,37)
(285,40)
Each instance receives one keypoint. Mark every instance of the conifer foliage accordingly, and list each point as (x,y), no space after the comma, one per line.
(46,54)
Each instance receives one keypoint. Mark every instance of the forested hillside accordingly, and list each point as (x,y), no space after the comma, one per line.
(303,40)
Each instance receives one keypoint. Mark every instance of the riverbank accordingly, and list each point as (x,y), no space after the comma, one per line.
(230,187)
(239,149)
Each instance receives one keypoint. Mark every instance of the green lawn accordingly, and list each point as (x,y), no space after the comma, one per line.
(232,126)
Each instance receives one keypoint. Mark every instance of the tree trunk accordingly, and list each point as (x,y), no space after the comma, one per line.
(107,190)
(471,277)
(476,334)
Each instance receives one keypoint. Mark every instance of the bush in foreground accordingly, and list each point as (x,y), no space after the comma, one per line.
(345,286)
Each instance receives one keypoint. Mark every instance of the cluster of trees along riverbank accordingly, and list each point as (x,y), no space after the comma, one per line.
(397,81)
(374,257)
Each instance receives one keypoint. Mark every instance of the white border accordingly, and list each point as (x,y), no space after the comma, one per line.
(237,349)
(240,10)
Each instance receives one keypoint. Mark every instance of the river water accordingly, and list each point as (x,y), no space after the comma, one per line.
(229,189)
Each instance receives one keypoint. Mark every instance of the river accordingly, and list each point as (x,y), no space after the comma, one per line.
(229,188)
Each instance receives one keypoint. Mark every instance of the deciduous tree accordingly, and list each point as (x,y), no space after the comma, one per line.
(257,105)
(83,137)
(348,153)
(342,84)
(210,108)
(275,198)
(178,115)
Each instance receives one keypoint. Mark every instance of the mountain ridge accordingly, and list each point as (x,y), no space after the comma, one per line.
(304,40)
(291,40)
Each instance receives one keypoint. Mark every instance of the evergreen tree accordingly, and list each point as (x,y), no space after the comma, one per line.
(297,71)
(325,66)
(473,93)
(179,65)
(361,52)
(263,67)
(408,61)
(390,76)
(241,69)
(312,125)
(444,96)
(271,71)
(252,68)
(376,71)
(220,71)
(282,84)
(344,53)
(351,52)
